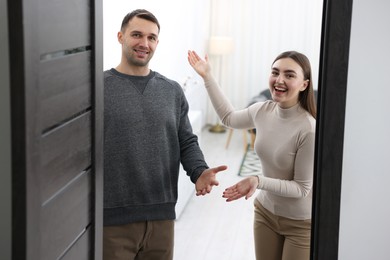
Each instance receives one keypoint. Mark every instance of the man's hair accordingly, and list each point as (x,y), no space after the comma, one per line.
(140,13)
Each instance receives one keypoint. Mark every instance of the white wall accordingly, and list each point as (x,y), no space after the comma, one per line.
(365,206)
(5,136)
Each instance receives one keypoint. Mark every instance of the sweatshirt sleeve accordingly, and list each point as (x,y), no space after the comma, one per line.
(240,119)
(191,155)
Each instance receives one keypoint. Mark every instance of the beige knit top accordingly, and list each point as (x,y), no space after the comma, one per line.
(285,145)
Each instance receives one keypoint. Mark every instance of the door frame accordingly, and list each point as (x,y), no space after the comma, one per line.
(333,75)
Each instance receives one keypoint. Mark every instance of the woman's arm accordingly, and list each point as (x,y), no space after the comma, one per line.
(229,116)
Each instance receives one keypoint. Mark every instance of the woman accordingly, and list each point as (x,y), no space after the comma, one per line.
(285,128)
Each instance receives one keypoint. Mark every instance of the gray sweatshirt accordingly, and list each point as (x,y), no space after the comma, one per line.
(147,134)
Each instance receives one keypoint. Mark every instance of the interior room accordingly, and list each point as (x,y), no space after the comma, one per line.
(241,38)
(51,120)
(254,30)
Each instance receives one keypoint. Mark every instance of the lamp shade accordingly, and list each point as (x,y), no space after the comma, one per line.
(220,45)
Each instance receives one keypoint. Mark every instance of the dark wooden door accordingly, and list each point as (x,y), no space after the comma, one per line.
(56,86)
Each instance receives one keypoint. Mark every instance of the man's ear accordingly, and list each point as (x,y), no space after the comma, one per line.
(120,37)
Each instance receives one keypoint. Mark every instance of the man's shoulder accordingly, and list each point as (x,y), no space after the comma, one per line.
(171,82)
(107,74)
(164,78)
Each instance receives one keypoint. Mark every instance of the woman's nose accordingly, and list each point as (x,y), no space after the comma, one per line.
(280,79)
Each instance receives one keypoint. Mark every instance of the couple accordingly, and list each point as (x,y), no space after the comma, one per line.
(147,134)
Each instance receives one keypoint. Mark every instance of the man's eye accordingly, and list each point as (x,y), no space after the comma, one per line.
(136,35)
(274,73)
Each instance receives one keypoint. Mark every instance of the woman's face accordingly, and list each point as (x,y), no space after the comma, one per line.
(286,82)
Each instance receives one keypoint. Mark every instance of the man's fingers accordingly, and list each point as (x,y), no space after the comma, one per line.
(203,191)
(219,168)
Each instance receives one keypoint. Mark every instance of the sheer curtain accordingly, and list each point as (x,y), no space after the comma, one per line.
(261,29)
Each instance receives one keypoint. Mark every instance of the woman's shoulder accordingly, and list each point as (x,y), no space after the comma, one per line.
(267,104)
(309,121)
(263,106)
(306,124)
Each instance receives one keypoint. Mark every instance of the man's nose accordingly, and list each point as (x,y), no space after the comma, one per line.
(144,41)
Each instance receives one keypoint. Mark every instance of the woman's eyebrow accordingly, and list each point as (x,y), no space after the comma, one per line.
(285,71)
(290,71)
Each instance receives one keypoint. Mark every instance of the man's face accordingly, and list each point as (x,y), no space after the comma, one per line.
(139,41)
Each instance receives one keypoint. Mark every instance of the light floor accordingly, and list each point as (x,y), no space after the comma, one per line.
(209,227)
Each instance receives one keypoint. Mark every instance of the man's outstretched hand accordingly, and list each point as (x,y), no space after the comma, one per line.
(207,180)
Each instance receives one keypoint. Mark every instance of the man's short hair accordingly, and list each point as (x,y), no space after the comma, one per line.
(141,13)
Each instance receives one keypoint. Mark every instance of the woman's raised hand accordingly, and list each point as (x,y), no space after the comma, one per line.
(202,67)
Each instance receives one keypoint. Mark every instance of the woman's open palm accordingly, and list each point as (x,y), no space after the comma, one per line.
(202,67)
(246,188)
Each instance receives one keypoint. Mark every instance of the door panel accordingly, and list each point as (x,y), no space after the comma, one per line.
(65,152)
(56,87)
(80,249)
(64,94)
(64,25)
(66,216)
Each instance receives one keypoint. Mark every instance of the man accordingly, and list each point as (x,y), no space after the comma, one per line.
(147,135)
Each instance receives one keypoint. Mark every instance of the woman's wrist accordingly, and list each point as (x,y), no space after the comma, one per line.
(209,80)
(254,181)
(258,181)
(207,77)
